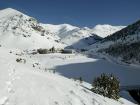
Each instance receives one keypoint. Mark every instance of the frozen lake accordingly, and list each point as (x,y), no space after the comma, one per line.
(89,70)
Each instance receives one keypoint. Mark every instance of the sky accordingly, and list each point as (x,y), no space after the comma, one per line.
(82,13)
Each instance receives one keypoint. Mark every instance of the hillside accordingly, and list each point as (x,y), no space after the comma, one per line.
(72,36)
(21,83)
(18,30)
(106,30)
(78,38)
(123,45)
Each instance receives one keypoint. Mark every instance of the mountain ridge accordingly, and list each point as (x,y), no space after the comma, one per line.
(18,24)
(123,45)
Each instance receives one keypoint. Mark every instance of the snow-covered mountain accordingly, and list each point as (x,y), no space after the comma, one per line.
(105,30)
(59,30)
(18,30)
(71,35)
(80,37)
(123,45)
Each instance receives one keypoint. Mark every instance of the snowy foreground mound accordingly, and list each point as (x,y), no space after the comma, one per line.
(23,84)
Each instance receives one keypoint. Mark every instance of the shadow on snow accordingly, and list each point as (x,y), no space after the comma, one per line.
(89,70)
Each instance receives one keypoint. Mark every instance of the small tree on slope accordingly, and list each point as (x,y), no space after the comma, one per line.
(106,85)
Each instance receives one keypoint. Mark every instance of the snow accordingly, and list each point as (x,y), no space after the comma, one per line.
(23,32)
(21,83)
(74,36)
(58,28)
(129,39)
(53,35)
(8,12)
(68,34)
(3,100)
(105,29)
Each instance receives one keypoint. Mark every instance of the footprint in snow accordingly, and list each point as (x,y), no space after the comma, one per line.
(3,101)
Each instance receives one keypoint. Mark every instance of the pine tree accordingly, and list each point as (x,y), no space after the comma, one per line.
(106,85)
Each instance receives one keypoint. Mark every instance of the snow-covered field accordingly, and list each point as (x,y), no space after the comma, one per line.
(77,65)
(23,84)
(106,29)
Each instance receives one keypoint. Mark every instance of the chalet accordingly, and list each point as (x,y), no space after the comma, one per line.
(68,51)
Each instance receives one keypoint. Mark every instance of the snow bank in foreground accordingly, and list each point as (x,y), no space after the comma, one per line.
(22,84)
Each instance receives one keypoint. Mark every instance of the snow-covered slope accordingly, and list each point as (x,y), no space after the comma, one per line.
(21,83)
(123,45)
(71,35)
(21,31)
(80,38)
(105,30)
(60,30)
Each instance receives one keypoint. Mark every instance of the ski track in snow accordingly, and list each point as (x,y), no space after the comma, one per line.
(3,101)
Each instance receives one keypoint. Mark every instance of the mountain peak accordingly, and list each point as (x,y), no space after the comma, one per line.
(8,12)
(106,29)
(10,9)
(101,25)
(106,26)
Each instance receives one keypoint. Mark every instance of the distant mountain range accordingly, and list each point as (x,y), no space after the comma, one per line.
(76,37)
(24,32)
